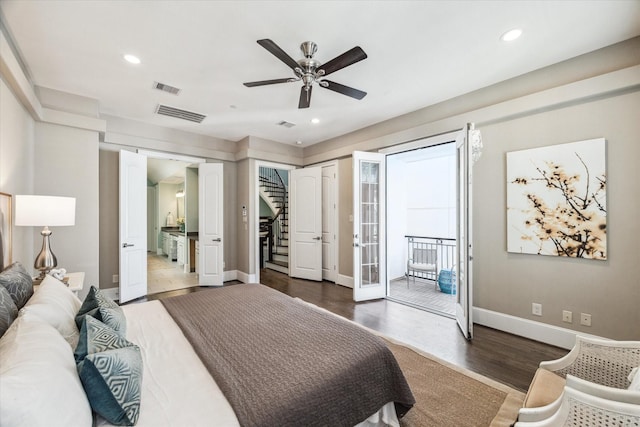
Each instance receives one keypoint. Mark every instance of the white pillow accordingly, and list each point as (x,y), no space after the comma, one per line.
(56,305)
(39,383)
(634,377)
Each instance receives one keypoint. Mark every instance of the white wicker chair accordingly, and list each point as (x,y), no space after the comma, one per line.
(599,361)
(584,403)
(596,390)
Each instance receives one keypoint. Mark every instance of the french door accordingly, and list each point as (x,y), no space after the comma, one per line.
(464,258)
(369,259)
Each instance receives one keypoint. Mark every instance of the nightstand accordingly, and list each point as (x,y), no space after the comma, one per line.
(76,281)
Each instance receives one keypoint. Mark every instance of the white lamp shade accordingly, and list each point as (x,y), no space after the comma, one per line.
(50,211)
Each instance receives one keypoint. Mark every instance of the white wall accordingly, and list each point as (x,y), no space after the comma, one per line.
(17,129)
(66,164)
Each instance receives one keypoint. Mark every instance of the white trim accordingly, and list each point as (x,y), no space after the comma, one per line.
(171,156)
(245,278)
(229,275)
(548,334)
(600,86)
(423,142)
(17,80)
(343,280)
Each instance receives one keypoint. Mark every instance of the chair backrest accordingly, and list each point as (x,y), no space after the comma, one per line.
(424,256)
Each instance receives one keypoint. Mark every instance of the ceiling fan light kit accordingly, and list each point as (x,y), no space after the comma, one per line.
(310,71)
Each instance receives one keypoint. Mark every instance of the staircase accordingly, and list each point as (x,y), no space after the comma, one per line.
(275,229)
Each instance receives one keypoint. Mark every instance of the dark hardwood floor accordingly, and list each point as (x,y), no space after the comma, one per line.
(506,358)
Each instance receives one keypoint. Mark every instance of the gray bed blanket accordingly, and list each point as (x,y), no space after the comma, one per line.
(280,362)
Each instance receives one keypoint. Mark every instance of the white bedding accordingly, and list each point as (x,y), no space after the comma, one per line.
(177,390)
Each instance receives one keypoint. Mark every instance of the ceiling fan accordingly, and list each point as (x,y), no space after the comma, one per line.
(310,71)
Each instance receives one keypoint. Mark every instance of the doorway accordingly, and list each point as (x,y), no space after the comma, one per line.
(168,266)
(421,227)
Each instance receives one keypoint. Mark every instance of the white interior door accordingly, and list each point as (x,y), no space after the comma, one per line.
(210,224)
(329,223)
(369,257)
(133,226)
(464,296)
(305,223)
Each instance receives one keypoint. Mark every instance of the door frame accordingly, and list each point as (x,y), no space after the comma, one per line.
(254,209)
(150,154)
(418,144)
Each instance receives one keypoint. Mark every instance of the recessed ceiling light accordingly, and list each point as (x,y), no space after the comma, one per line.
(131,59)
(298,142)
(315,120)
(511,35)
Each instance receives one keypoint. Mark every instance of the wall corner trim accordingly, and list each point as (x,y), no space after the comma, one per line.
(17,80)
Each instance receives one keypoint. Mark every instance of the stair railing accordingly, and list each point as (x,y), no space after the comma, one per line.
(273,184)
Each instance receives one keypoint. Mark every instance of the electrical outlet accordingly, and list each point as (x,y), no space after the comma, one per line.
(567,316)
(536,309)
(585,319)
(115,278)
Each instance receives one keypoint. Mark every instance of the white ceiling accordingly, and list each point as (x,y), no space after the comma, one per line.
(419,53)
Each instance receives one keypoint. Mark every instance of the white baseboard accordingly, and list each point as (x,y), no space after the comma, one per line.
(549,334)
(345,281)
(245,277)
(229,275)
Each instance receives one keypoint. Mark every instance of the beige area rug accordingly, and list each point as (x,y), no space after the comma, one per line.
(450,396)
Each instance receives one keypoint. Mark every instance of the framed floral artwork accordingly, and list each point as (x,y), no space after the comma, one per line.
(556,200)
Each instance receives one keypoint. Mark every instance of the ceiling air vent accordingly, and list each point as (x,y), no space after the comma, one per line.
(166,88)
(180,114)
(286,124)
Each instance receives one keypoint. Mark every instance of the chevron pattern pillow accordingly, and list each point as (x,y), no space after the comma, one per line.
(18,282)
(101,307)
(110,368)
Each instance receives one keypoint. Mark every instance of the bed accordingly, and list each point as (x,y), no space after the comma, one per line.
(237,355)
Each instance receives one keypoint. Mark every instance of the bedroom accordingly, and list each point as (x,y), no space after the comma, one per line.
(594,94)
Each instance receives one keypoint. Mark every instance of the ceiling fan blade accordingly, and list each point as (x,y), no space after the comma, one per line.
(345,90)
(278,53)
(267,82)
(305,97)
(339,62)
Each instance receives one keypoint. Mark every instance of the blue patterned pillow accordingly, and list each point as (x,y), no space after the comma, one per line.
(8,310)
(110,368)
(18,282)
(98,305)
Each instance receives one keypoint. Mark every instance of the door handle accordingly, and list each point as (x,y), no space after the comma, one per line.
(217,239)
(127,245)
(356,245)
(317,238)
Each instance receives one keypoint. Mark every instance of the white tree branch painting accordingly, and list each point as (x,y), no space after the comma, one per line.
(556,200)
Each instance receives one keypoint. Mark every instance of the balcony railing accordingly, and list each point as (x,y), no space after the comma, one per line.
(427,256)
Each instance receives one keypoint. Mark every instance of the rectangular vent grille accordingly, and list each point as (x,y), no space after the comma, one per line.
(180,114)
(286,124)
(166,88)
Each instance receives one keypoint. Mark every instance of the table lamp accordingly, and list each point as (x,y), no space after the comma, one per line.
(45,211)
